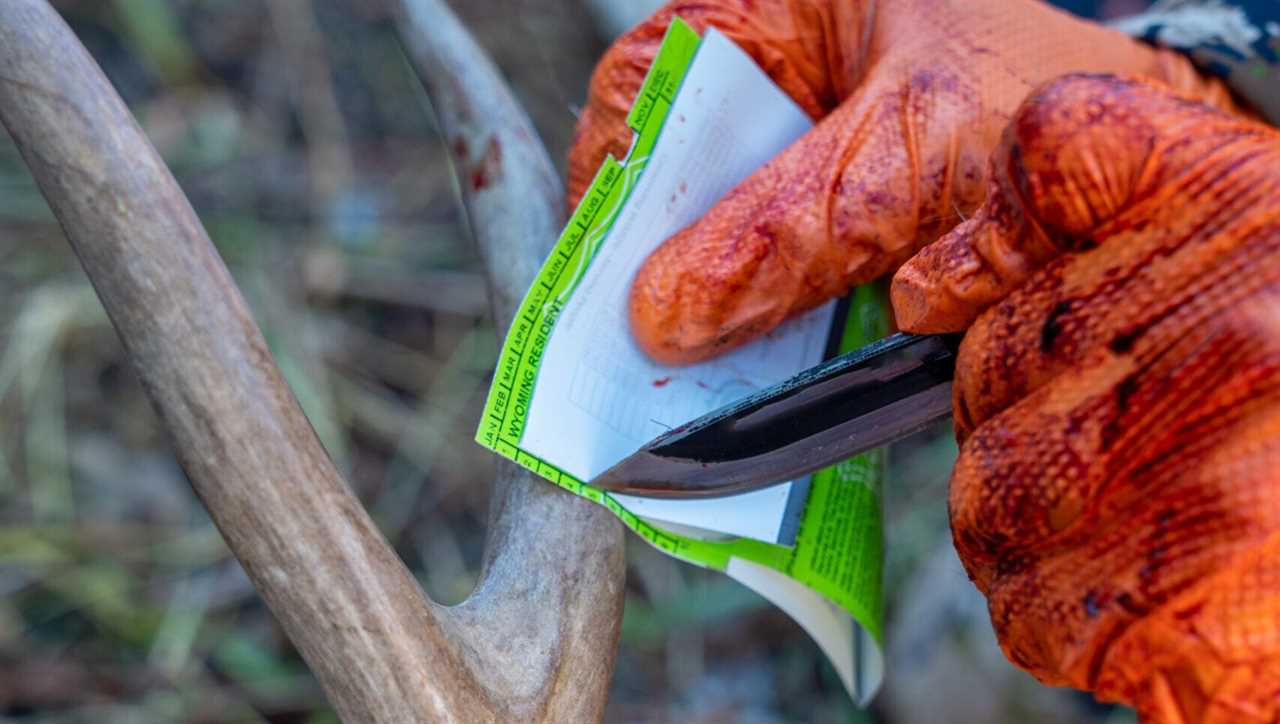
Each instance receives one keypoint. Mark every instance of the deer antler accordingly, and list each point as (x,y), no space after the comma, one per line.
(536,639)
(563,553)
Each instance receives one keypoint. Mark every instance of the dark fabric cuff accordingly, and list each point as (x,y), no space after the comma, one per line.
(1236,40)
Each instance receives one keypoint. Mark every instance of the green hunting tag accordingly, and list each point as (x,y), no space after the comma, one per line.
(571,394)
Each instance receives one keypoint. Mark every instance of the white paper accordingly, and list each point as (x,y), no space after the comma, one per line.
(757,514)
(851,650)
(599,397)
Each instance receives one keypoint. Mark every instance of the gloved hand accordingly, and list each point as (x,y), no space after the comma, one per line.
(1117,495)
(911,95)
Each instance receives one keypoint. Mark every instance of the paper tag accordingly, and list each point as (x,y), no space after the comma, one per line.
(572,394)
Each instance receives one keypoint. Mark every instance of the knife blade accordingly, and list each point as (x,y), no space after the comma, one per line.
(847,405)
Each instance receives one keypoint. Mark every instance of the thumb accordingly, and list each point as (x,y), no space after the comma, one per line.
(886,171)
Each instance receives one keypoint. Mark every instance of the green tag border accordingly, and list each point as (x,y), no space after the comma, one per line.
(838,549)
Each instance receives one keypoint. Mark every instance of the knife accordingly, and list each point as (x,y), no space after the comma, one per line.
(847,405)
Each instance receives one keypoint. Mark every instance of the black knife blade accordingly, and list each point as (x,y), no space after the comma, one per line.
(849,404)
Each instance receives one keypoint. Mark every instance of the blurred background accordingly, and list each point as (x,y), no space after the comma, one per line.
(309,150)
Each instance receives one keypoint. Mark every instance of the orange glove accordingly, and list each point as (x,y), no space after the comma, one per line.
(1117,495)
(912,97)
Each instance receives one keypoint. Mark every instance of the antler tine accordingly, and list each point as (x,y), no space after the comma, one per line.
(343,596)
(564,553)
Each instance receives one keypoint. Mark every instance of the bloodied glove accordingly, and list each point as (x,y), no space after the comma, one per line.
(1117,395)
(910,98)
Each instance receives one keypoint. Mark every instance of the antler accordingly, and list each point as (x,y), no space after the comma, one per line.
(552,587)
(536,639)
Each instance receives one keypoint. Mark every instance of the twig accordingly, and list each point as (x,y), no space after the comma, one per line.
(329,164)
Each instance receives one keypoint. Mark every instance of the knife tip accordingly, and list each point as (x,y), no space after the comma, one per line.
(610,480)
